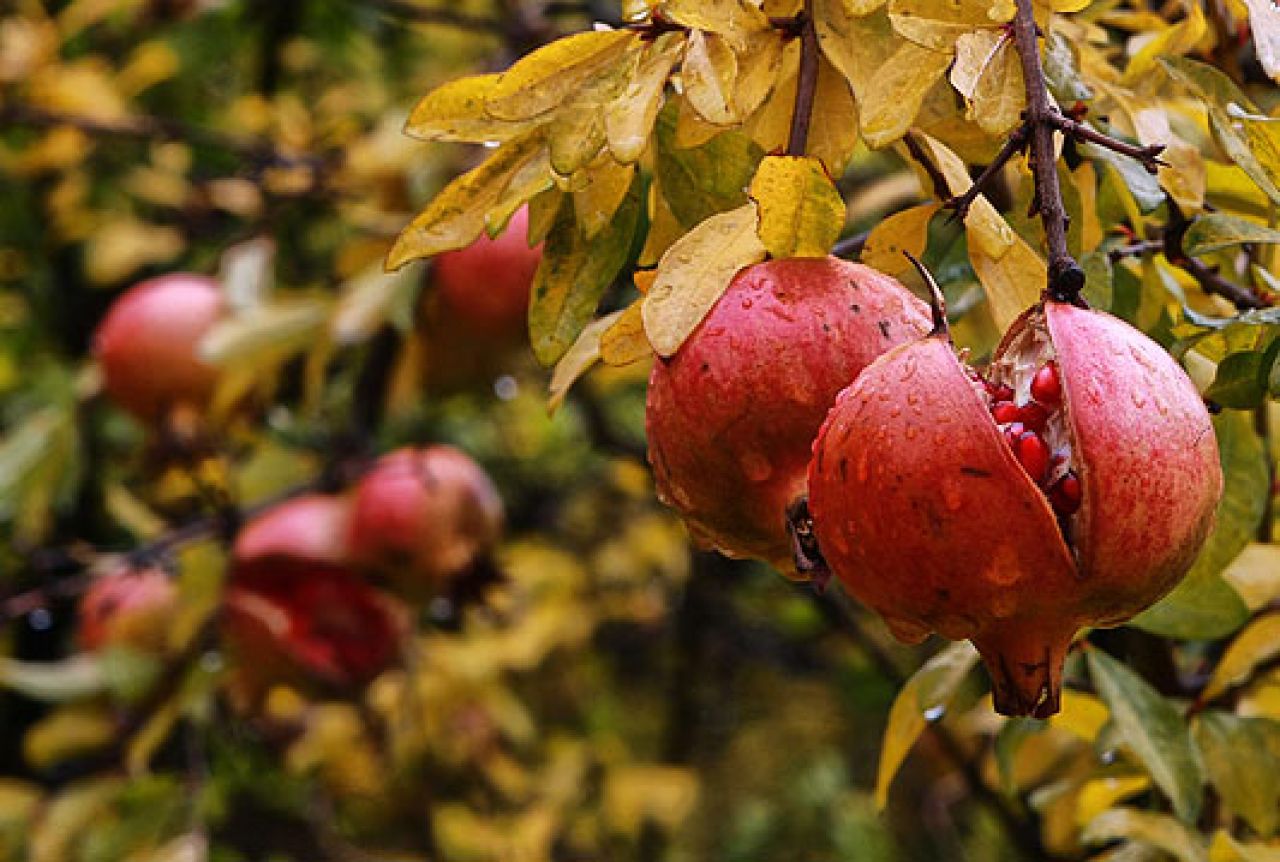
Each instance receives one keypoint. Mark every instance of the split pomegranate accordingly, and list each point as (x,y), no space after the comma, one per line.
(147,345)
(422,517)
(731,417)
(1072,486)
(131,607)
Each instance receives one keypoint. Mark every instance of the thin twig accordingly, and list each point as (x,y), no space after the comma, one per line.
(1016,143)
(1147,156)
(1207,276)
(850,248)
(806,84)
(1136,249)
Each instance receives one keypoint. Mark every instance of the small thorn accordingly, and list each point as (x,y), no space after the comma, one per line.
(936,300)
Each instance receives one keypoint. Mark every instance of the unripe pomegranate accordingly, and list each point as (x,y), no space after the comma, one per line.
(147,345)
(423,516)
(485,286)
(310,527)
(937,512)
(732,415)
(131,607)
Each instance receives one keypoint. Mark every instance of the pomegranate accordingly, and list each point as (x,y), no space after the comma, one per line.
(1071,486)
(147,345)
(485,286)
(422,517)
(310,527)
(732,415)
(131,607)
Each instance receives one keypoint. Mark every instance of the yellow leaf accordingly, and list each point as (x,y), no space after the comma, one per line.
(551,75)
(758,65)
(1224,848)
(1082,715)
(709,72)
(988,73)
(123,245)
(734,20)
(629,118)
(456,112)
(1169,41)
(1257,643)
(695,271)
(624,342)
(605,187)
(456,216)
(935,25)
(896,91)
(1161,831)
(149,64)
(856,42)
(833,129)
(1255,574)
(905,231)
(801,213)
(1100,794)
(635,794)
(664,227)
(1085,178)
(70,731)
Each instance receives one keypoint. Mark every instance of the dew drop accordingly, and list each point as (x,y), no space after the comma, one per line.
(908,368)
(934,713)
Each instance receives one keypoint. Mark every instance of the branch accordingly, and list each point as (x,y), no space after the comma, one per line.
(806,83)
(1148,156)
(850,248)
(941,188)
(1016,143)
(1207,276)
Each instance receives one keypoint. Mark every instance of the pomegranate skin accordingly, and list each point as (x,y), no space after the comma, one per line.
(130,608)
(485,286)
(731,417)
(422,517)
(923,512)
(147,345)
(310,527)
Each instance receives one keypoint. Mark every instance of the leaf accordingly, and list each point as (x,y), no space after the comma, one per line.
(801,213)
(997,95)
(695,271)
(574,273)
(1241,380)
(629,118)
(1215,231)
(709,72)
(1218,92)
(906,231)
(733,19)
(268,332)
(1264,21)
(576,132)
(1082,715)
(604,186)
(1099,795)
(624,342)
(456,216)
(1005,748)
(369,300)
(1224,848)
(1168,42)
(551,75)
(68,732)
(1156,830)
(923,699)
(1242,766)
(1198,607)
(896,91)
(1255,575)
(1259,642)
(938,25)
(73,678)
(701,181)
(456,112)
(1152,729)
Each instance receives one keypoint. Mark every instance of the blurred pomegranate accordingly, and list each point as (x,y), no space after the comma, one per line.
(484,288)
(147,345)
(422,517)
(732,415)
(1072,485)
(131,607)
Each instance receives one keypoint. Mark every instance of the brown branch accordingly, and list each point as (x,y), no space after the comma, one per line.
(941,188)
(850,248)
(1148,156)
(1206,276)
(1016,143)
(1137,249)
(806,84)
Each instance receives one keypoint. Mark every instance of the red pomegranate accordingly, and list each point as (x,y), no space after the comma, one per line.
(295,609)
(485,286)
(423,516)
(147,345)
(131,607)
(1072,486)
(731,417)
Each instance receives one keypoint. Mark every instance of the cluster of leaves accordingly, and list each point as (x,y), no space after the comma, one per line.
(609,699)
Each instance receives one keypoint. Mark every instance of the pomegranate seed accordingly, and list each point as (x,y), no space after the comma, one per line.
(1033,415)
(1033,454)
(1005,412)
(1012,433)
(1045,386)
(1001,392)
(1065,495)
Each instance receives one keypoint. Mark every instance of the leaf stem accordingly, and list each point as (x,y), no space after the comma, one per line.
(806,83)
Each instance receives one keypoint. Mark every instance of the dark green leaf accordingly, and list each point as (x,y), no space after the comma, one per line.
(1240,382)
(1152,729)
(699,182)
(1217,231)
(1242,766)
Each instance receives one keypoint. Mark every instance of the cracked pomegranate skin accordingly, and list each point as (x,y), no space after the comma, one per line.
(925,514)
(148,340)
(731,417)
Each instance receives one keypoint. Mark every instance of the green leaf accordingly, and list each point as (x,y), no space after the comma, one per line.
(1227,849)
(1218,92)
(1144,827)
(72,678)
(574,274)
(924,698)
(1203,606)
(801,213)
(1152,729)
(1242,765)
(1241,380)
(1008,740)
(699,182)
(1216,231)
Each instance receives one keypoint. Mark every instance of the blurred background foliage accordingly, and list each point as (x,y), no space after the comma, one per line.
(617,695)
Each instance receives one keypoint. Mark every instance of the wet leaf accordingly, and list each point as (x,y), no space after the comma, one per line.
(709,72)
(733,19)
(694,273)
(906,231)
(551,75)
(801,213)
(924,698)
(629,118)
(1152,729)
(624,342)
(701,181)
(456,112)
